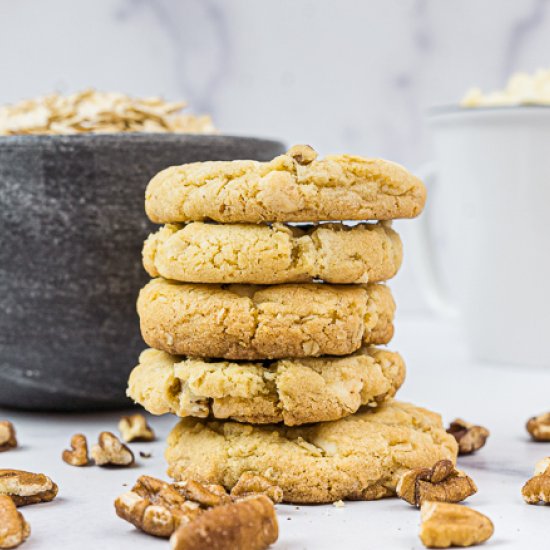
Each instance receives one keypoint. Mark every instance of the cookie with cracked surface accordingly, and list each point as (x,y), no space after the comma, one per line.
(360,457)
(292,187)
(292,391)
(272,322)
(261,254)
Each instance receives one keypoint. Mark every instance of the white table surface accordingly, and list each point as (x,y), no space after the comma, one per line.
(440,376)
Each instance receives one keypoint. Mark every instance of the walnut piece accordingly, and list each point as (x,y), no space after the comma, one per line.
(469,437)
(443,525)
(155,507)
(247,524)
(377,491)
(159,508)
(252,484)
(109,451)
(539,427)
(26,487)
(14,530)
(302,154)
(442,483)
(542,466)
(7,436)
(135,428)
(78,455)
(203,494)
(537,489)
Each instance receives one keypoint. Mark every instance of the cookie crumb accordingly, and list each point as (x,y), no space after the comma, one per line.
(338,504)
(145,455)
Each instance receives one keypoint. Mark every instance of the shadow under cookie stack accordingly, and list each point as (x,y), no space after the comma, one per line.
(263,334)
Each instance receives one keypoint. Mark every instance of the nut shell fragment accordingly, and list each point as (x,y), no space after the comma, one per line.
(442,483)
(78,455)
(27,487)
(445,525)
(8,440)
(539,427)
(109,451)
(14,530)
(248,524)
(469,437)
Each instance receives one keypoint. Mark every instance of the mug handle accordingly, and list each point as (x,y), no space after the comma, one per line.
(421,235)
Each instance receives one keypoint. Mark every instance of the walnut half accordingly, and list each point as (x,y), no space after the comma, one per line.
(539,427)
(442,483)
(78,455)
(445,525)
(14,530)
(469,437)
(26,487)
(109,451)
(537,489)
(248,524)
(135,428)
(8,440)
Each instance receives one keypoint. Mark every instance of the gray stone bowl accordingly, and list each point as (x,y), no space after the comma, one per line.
(72,224)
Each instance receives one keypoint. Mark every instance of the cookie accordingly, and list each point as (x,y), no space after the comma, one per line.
(359,457)
(262,254)
(292,391)
(293,187)
(271,322)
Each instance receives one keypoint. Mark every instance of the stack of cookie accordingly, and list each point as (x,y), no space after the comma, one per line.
(264,333)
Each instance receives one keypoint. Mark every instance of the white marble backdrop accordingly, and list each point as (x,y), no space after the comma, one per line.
(344,75)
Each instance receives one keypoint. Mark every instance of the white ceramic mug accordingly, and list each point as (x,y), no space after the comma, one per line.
(485,247)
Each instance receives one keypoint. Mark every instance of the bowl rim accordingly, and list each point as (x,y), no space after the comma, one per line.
(137,137)
(454,108)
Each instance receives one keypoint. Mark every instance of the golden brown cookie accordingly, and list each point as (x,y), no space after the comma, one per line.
(250,322)
(261,254)
(292,391)
(292,187)
(360,457)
